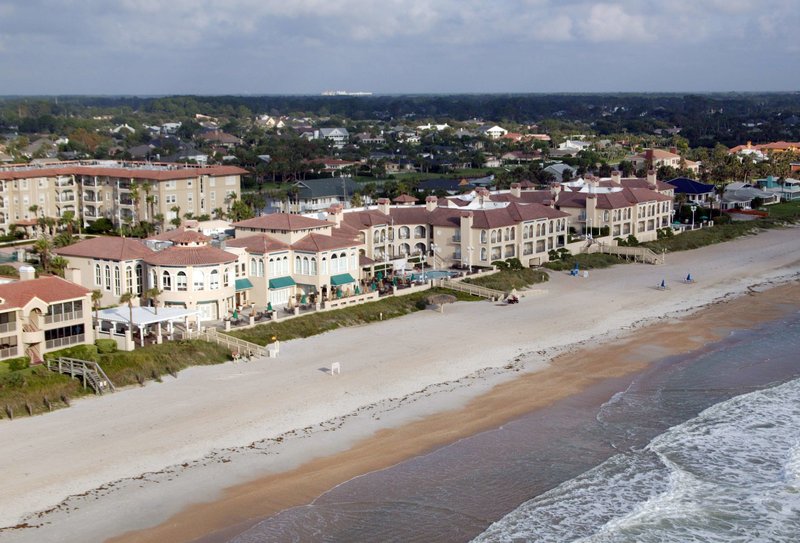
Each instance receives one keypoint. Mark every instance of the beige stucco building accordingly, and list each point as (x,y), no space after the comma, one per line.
(124,192)
(42,315)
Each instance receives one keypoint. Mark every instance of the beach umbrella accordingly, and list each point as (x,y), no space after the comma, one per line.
(338,292)
(303,299)
(357,290)
(269,306)
(663,284)
(235,314)
(379,276)
(440,300)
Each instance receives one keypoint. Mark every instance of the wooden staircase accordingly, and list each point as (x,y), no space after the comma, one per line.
(637,254)
(89,372)
(236,345)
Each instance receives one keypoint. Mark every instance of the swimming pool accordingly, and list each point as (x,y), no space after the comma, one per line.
(431,275)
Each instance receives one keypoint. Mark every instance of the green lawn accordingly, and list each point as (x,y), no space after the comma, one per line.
(585,262)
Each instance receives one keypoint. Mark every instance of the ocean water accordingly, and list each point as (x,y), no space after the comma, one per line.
(701,447)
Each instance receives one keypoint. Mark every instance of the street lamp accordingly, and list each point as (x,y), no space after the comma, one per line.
(694,208)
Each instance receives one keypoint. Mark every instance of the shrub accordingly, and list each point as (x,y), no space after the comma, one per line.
(105,346)
(632,241)
(500,264)
(17,364)
(514,264)
(81,352)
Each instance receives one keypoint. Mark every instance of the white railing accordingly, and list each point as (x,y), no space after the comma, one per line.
(64,341)
(8,327)
(9,352)
(61,317)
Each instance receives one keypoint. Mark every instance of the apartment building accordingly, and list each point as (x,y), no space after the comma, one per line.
(42,315)
(124,192)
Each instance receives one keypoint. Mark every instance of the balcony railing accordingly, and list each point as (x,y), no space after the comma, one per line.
(8,352)
(8,327)
(61,317)
(64,341)
(126,201)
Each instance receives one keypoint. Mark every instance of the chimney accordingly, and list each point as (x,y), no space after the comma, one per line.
(384,205)
(73,275)
(591,207)
(651,179)
(335,214)
(555,190)
(648,156)
(466,228)
(673,150)
(516,190)
(616,177)
(26,273)
(431,202)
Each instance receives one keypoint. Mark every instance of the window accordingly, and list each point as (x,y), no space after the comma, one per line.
(313,266)
(261,267)
(253,267)
(199,280)
(117,281)
(181,281)
(272,268)
(494,236)
(483,236)
(404,249)
(483,254)
(404,232)
(129,279)
(98,276)
(297,265)
(139,279)
(166,280)
(108,278)
(419,232)
(214,280)
(305,265)
(324,266)
(226,277)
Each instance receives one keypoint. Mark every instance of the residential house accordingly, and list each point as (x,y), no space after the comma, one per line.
(787,189)
(655,158)
(702,194)
(739,195)
(38,316)
(494,132)
(319,194)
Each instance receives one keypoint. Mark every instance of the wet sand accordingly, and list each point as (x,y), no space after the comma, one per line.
(569,374)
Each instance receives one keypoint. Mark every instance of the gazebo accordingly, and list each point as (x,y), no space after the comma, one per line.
(142,318)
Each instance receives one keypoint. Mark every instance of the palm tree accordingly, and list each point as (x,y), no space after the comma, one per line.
(152,294)
(219,213)
(135,198)
(127,298)
(159,218)
(43,247)
(68,220)
(177,220)
(148,198)
(97,295)
(58,264)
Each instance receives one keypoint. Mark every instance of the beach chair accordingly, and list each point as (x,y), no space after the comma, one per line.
(663,285)
(689,279)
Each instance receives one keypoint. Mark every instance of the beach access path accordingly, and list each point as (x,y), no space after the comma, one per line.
(139,430)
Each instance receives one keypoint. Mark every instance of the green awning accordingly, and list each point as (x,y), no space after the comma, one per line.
(281,282)
(342,279)
(243,284)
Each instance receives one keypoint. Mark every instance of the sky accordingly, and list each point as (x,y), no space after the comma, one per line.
(146,47)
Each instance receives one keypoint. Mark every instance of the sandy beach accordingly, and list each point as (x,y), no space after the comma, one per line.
(237,442)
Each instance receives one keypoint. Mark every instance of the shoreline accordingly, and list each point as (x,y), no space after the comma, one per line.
(244,505)
(226,426)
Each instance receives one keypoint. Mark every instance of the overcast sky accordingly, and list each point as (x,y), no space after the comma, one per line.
(396,46)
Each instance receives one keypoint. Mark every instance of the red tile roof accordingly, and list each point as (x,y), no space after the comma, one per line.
(258,244)
(404,199)
(49,289)
(282,221)
(190,256)
(190,236)
(176,171)
(107,248)
(316,243)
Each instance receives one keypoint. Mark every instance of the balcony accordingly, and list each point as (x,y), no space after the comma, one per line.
(64,341)
(125,201)
(7,327)
(32,336)
(11,351)
(61,317)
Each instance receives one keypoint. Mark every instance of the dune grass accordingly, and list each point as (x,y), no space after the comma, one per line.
(505,280)
(325,321)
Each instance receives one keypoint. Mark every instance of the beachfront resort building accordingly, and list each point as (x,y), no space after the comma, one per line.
(42,315)
(123,192)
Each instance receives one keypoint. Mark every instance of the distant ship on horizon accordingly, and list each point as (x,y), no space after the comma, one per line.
(345,93)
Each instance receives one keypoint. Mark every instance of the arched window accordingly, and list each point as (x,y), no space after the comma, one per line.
(305,265)
(494,236)
(297,265)
(129,279)
(343,262)
(214,280)
(108,278)
(324,266)
(166,280)
(483,236)
(199,280)
(353,260)
(98,275)
(513,234)
(226,277)
(334,264)
(285,265)
(139,279)
(272,272)
(117,281)
(182,281)
(253,267)
(483,253)
(404,249)
(313,266)
(419,248)
(404,232)
(261,267)
(419,232)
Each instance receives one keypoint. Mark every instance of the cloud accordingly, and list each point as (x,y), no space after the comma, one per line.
(610,22)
